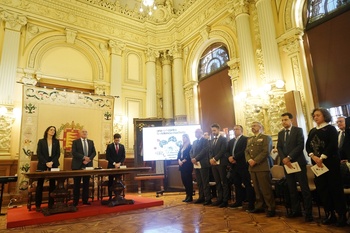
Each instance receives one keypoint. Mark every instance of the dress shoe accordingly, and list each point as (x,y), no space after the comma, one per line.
(38,209)
(309,218)
(294,215)
(235,206)
(217,203)
(223,204)
(207,203)
(270,213)
(188,199)
(199,201)
(330,218)
(86,203)
(255,211)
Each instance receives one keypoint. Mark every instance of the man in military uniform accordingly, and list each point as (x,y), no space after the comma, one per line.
(256,154)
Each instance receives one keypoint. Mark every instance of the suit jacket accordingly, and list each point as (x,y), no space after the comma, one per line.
(113,157)
(78,154)
(258,149)
(218,151)
(188,165)
(200,151)
(294,145)
(239,155)
(43,154)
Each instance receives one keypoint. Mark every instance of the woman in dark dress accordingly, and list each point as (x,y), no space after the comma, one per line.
(186,167)
(322,147)
(48,152)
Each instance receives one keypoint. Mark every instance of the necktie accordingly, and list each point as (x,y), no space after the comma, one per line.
(85,147)
(234,147)
(116,148)
(215,140)
(341,141)
(286,136)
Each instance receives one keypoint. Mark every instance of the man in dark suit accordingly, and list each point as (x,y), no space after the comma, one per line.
(200,159)
(256,154)
(239,169)
(344,148)
(115,155)
(290,146)
(219,162)
(83,152)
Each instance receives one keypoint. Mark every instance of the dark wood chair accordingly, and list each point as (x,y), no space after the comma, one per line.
(70,181)
(33,184)
(102,187)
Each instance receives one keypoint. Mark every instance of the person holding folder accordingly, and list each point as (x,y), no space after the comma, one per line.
(290,146)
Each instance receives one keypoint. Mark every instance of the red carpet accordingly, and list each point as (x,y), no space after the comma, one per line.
(19,217)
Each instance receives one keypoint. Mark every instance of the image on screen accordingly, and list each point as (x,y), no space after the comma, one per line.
(163,143)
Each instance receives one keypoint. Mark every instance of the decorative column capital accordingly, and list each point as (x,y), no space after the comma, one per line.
(290,41)
(13,20)
(117,47)
(176,51)
(151,55)
(234,69)
(239,7)
(165,57)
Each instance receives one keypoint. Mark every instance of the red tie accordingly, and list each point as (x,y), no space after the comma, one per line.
(116,148)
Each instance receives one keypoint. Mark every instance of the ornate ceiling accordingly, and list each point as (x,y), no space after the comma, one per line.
(166,9)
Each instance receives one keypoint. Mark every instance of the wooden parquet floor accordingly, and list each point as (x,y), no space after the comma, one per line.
(178,217)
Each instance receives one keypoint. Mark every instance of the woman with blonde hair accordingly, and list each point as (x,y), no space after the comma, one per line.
(186,166)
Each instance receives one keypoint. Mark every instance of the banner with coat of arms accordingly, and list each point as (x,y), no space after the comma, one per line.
(68,112)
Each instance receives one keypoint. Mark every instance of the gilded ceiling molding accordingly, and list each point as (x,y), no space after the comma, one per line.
(13,21)
(288,24)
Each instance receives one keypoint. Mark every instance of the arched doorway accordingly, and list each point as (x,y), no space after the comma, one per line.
(214,88)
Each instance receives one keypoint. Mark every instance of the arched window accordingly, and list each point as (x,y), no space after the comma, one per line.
(214,59)
(320,9)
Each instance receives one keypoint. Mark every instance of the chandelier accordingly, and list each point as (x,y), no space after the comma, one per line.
(148,5)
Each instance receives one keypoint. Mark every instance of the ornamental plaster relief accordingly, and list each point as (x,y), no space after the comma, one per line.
(288,19)
(73,16)
(33,31)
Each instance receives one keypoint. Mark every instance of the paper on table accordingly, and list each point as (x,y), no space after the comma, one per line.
(319,170)
(197,165)
(296,168)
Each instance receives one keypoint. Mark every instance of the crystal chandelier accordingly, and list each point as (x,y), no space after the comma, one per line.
(148,5)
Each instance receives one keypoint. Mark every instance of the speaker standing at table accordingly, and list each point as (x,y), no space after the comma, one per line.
(115,154)
(83,152)
(48,152)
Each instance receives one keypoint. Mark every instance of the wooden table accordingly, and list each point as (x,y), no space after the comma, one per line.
(60,194)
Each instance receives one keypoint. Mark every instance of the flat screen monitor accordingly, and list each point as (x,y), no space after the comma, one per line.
(163,143)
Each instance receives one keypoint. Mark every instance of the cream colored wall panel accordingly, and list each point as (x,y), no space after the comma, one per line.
(134,109)
(67,62)
(133,69)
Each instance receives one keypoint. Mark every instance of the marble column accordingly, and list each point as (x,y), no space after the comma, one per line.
(151,95)
(246,53)
(9,55)
(179,101)
(168,113)
(272,61)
